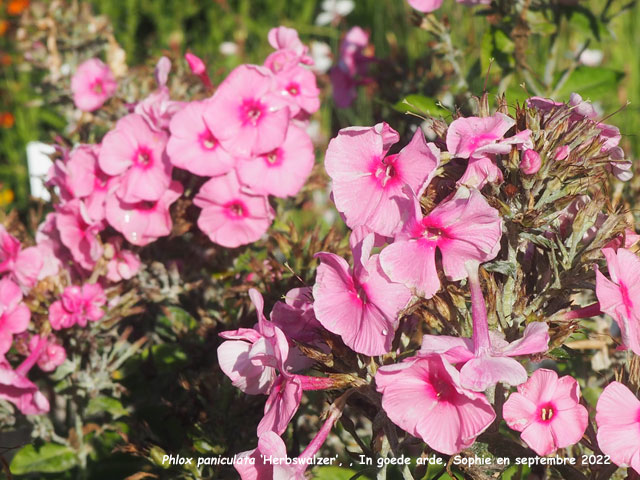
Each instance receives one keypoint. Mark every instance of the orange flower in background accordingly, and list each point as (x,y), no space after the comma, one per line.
(4,26)
(6,119)
(5,59)
(16,7)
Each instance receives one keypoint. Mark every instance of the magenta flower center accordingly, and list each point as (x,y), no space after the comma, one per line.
(207,140)
(546,412)
(385,171)
(143,157)
(97,87)
(273,158)
(482,140)
(251,111)
(236,209)
(293,89)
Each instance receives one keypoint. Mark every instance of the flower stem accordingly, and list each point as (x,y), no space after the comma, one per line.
(584,312)
(481,341)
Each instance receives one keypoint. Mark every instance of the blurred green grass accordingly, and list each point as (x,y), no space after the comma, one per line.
(148,28)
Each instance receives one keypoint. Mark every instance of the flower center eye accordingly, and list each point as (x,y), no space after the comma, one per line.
(293,89)
(432,233)
(252,110)
(143,157)
(237,209)
(208,140)
(97,87)
(546,413)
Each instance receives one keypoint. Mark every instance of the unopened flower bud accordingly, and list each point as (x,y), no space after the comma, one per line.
(195,63)
(530,162)
(562,152)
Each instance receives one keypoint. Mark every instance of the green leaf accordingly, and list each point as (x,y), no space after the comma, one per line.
(559,354)
(100,405)
(49,458)
(421,105)
(592,82)
(167,357)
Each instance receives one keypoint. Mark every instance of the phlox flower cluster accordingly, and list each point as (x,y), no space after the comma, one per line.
(248,141)
(351,69)
(418,234)
(428,6)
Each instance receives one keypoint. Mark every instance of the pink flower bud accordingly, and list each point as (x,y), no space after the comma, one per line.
(563,152)
(530,162)
(195,63)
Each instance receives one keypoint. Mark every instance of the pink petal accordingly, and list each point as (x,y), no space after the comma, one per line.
(518,411)
(480,373)
(538,436)
(535,339)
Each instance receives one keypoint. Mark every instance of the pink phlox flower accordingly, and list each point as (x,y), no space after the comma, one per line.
(297,86)
(86,180)
(136,153)
(77,305)
(124,264)
(620,296)
(486,357)
(52,355)
(344,87)
(424,397)
(270,445)
(161,71)
(245,114)
(79,232)
(480,171)
(542,104)
(282,171)
(14,315)
(358,164)
(618,420)
(143,222)
(193,147)
(231,216)
(547,410)
(18,389)
(92,85)
(361,305)
(251,356)
(481,136)
(463,227)
(24,265)
(284,38)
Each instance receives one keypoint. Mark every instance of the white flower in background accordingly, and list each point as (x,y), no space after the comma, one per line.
(333,10)
(591,58)
(228,48)
(39,162)
(322,58)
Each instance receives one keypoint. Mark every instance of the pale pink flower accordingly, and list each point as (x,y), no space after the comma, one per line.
(271,445)
(487,356)
(52,251)
(124,264)
(618,420)
(547,410)
(426,5)
(193,147)
(143,222)
(86,180)
(625,240)
(562,152)
(136,153)
(463,227)
(18,389)
(531,162)
(620,296)
(77,305)
(283,402)
(230,216)
(423,396)
(245,114)
(52,355)
(14,315)
(92,85)
(297,86)
(24,265)
(357,163)
(360,305)
(352,66)
(480,171)
(79,232)
(282,171)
